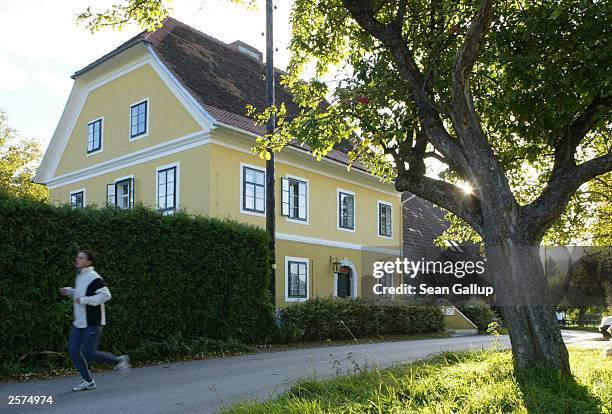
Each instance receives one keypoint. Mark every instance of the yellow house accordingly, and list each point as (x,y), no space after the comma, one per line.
(160,121)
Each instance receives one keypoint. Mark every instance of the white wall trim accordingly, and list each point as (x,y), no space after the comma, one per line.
(258,168)
(123,71)
(296,221)
(314,240)
(177,182)
(338,191)
(147,114)
(334,243)
(387,203)
(135,158)
(81,190)
(308,287)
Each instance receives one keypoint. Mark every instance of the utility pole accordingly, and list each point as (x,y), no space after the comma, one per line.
(271,125)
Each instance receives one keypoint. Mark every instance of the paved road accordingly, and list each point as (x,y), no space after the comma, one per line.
(207,385)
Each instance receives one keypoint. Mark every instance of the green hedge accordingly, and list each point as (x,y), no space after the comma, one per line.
(478,312)
(332,318)
(178,275)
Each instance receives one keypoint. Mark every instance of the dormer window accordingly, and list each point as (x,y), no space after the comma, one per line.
(94,136)
(139,119)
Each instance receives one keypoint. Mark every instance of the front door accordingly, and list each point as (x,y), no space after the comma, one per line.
(344,282)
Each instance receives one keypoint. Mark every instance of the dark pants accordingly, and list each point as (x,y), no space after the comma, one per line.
(83,348)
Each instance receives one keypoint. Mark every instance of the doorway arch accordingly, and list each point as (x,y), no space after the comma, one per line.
(354,277)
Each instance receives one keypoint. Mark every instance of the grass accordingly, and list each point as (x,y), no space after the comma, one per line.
(457,383)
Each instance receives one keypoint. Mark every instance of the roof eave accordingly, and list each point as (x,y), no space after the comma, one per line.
(108,56)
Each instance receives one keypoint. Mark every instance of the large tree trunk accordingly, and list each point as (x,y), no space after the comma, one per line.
(524,297)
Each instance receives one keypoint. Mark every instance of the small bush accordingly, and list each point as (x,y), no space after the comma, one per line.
(478,312)
(334,318)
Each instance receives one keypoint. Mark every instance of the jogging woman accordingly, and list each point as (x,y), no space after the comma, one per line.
(88,295)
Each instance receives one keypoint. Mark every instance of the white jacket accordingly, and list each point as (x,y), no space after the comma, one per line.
(92,292)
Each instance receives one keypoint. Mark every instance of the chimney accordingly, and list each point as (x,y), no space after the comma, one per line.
(247,50)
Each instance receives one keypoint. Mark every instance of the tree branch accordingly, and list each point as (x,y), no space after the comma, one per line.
(445,195)
(549,206)
(565,149)
(566,177)
(362,11)
(464,116)
(401,13)
(436,156)
(474,40)
(488,175)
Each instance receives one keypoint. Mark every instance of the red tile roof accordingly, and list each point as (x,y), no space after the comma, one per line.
(222,79)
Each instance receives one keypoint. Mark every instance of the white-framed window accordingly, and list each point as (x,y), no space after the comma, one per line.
(294,199)
(121,193)
(95,135)
(167,188)
(296,278)
(77,198)
(139,119)
(385,219)
(252,190)
(345,210)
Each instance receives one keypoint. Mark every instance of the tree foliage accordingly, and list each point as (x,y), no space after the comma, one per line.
(543,71)
(148,14)
(18,162)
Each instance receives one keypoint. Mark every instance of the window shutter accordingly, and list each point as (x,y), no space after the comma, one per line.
(351,211)
(285,196)
(131,193)
(110,195)
(302,200)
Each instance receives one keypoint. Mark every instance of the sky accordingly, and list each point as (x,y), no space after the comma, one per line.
(41,47)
